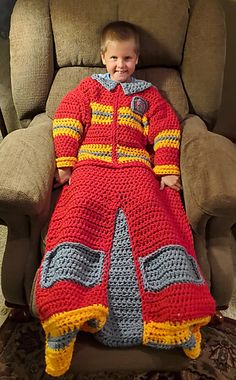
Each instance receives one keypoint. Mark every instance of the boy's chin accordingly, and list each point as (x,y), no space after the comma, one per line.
(121,78)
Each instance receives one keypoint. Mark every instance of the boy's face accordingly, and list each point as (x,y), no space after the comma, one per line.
(120,59)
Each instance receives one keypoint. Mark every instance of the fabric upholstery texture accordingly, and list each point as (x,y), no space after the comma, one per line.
(67,25)
(53,45)
(201,57)
(27,188)
(6,102)
(31,39)
(217,196)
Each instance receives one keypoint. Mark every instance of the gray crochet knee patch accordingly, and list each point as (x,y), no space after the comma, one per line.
(168,265)
(72,262)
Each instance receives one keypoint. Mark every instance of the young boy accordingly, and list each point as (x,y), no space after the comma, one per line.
(119,258)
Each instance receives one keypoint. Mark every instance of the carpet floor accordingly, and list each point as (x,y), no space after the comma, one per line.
(22,356)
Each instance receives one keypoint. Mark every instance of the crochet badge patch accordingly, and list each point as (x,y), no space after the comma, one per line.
(139,105)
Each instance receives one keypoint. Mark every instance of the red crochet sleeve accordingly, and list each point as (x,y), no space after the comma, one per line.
(163,134)
(70,120)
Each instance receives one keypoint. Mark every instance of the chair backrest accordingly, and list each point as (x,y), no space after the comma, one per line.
(55,43)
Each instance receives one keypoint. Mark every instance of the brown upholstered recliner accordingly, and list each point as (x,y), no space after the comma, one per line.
(53,45)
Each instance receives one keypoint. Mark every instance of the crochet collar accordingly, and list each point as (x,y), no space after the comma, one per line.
(129,88)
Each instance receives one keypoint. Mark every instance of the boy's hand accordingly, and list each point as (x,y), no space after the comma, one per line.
(62,175)
(172,181)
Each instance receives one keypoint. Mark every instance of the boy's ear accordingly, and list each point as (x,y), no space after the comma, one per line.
(103,58)
(137,60)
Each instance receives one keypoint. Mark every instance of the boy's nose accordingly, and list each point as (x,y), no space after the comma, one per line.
(120,63)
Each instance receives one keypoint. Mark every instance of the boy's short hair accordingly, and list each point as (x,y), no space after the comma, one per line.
(119,31)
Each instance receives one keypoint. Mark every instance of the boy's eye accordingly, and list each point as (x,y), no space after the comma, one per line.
(113,57)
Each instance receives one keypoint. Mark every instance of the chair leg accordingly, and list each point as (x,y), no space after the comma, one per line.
(19,313)
(218,317)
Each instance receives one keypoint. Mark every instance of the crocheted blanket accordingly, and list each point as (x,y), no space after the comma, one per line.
(120,266)
(119,259)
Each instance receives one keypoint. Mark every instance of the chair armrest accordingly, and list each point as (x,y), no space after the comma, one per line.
(208,164)
(27,169)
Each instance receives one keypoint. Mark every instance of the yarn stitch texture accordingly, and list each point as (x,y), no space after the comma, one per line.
(119,260)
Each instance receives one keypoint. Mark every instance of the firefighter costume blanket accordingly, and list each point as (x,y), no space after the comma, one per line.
(119,259)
